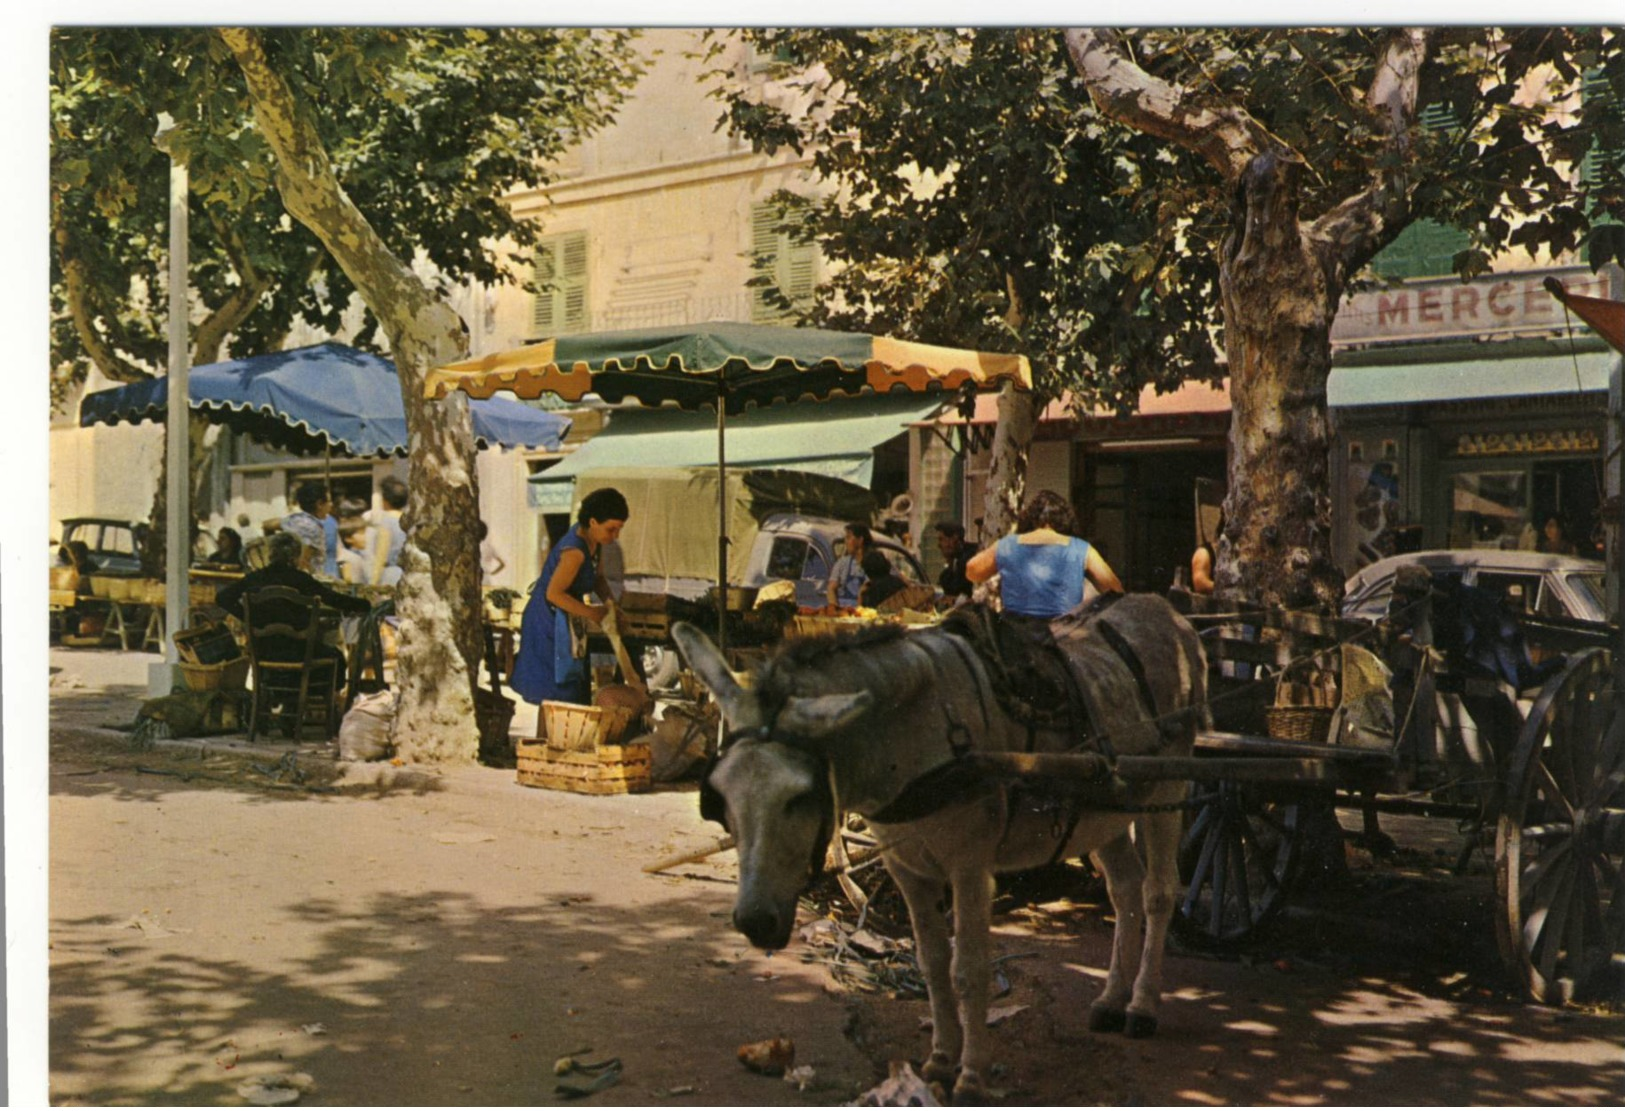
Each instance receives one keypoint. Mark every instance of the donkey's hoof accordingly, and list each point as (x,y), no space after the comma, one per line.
(1140,1025)
(938,1070)
(1106,1020)
(968,1090)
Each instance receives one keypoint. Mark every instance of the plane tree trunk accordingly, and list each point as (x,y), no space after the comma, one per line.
(438,598)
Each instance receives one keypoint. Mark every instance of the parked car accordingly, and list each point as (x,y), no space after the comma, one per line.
(804,549)
(1530,582)
(115,546)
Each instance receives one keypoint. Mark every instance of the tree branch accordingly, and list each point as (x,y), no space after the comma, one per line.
(312,194)
(77,289)
(1363,224)
(1226,138)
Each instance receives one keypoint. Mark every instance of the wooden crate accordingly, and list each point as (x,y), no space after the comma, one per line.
(644,616)
(611,770)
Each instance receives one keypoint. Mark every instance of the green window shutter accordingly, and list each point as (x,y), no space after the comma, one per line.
(560,272)
(791,265)
(1427,248)
(1594,86)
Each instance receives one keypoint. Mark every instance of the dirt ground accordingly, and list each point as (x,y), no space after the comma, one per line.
(219,915)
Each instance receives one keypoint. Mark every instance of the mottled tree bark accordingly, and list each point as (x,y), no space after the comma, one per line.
(438,599)
(1007,473)
(1278,310)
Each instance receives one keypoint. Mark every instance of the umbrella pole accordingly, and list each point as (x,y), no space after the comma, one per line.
(722,517)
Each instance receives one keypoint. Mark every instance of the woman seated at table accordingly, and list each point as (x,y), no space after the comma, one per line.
(282,569)
(228,552)
(546,669)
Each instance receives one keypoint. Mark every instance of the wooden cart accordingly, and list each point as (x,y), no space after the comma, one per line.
(1549,793)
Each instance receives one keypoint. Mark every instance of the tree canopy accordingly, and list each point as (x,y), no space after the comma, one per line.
(1098,208)
(426,128)
(972,171)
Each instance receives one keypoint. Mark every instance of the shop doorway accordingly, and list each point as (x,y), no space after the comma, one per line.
(1138,508)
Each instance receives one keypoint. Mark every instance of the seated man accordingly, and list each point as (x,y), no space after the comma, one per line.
(282,569)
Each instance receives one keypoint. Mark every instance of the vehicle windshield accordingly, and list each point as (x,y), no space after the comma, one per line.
(1593,586)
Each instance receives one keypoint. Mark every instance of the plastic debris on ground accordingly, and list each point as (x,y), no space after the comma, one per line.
(579,1078)
(903,1088)
(277,1089)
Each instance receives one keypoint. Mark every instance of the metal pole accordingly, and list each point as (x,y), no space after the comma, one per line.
(177,534)
(722,515)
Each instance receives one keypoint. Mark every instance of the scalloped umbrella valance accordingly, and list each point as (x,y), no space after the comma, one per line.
(742,365)
(314,399)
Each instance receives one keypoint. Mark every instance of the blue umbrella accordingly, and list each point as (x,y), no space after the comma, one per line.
(316,398)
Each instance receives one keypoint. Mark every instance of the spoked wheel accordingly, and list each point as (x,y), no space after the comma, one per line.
(1235,859)
(1560,840)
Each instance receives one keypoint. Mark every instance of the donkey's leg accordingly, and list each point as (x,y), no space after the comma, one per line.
(927,912)
(1125,877)
(1159,835)
(972,968)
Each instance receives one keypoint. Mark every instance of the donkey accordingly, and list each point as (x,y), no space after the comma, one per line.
(907,730)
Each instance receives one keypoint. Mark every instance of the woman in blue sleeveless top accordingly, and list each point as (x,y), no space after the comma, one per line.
(1042,565)
(545,669)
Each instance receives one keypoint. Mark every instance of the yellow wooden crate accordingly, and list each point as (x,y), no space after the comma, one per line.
(610,770)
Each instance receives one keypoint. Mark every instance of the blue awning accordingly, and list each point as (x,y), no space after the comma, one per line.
(1471,379)
(835,437)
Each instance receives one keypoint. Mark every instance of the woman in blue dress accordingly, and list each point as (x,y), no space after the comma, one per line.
(545,668)
(1042,565)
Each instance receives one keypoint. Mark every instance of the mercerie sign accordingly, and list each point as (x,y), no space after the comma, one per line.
(1495,304)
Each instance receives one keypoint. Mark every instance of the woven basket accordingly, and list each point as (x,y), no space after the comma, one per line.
(1311,724)
(583,728)
(229,676)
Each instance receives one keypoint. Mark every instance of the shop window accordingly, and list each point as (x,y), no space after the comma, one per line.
(1377,521)
(1490,509)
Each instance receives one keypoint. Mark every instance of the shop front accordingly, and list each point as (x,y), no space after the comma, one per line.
(1468,415)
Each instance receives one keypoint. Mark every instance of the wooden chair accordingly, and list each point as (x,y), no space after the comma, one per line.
(295,691)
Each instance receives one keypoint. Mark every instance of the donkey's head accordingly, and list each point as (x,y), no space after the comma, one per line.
(770,787)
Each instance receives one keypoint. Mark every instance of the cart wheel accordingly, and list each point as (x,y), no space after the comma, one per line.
(1560,840)
(1234,860)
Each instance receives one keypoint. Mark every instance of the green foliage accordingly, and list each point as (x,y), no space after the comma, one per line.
(425,127)
(971,168)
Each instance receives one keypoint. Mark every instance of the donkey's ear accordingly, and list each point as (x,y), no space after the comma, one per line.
(822,715)
(738,704)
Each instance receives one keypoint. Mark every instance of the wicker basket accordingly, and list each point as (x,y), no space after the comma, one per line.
(229,676)
(577,728)
(1311,724)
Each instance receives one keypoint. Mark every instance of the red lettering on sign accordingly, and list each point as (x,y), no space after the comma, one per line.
(1464,303)
(1536,301)
(1429,306)
(1393,308)
(1499,299)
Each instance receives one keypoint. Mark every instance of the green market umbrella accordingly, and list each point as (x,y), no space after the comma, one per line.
(730,367)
